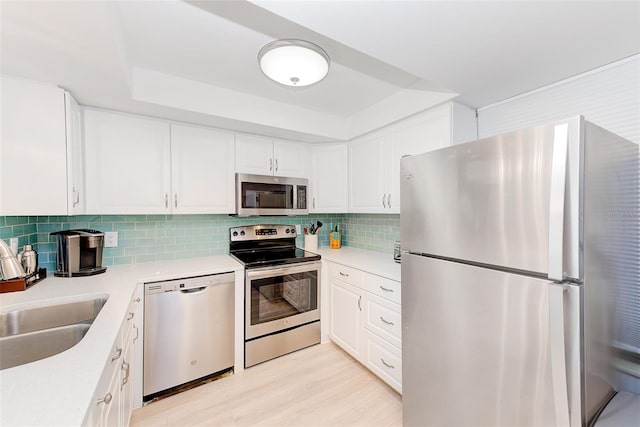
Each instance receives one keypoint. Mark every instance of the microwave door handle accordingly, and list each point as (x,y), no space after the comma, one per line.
(295,195)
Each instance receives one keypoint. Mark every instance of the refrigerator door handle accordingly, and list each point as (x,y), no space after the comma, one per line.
(557,354)
(556,201)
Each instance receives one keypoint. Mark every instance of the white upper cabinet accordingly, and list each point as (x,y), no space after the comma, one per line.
(254,154)
(127,164)
(137,165)
(367,169)
(202,174)
(76,203)
(33,152)
(264,156)
(329,180)
(290,159)
(375,159)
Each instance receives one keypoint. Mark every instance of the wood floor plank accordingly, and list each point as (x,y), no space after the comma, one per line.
(318,386)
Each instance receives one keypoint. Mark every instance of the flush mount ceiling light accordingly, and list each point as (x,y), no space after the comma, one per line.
(294,62)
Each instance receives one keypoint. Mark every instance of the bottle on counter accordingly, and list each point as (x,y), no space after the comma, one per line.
(335,238)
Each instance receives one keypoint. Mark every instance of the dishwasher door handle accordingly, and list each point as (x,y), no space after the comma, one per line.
(193,290)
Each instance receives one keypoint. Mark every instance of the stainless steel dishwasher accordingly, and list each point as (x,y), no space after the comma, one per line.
(188,331)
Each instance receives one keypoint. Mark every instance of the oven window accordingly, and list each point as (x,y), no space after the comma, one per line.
(283,296)
(267,196)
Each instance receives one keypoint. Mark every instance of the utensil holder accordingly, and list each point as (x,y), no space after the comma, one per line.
(311,242)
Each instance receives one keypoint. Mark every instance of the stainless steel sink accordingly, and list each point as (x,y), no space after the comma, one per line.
(50,316)
(36,333)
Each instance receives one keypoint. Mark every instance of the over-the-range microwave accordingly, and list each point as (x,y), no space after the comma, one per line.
(270,195)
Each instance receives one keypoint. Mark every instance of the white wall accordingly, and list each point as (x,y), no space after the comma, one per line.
(608,96)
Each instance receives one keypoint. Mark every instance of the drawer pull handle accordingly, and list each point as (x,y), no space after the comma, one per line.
(359,306)
(386,364)
(117,356)
(130,316)
(137,334)
(386,321)
(386,289)
(106,399)
(136,300)
(344,274)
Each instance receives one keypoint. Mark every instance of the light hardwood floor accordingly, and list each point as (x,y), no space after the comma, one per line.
(317,386)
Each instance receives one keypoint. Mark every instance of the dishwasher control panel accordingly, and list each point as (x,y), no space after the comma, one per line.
(187,284)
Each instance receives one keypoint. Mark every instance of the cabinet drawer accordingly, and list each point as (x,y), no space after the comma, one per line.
(346,274)
(381,286)
(385,360)
(383,318)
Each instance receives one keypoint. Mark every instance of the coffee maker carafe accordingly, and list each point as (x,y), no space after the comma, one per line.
(79,253)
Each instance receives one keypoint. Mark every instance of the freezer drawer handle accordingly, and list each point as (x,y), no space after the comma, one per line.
(359,306)
(386,289)
(386,364)
(557,356)
(386,321)
(344,274)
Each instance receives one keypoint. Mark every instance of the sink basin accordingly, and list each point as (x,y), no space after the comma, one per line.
(33,334)
(50,316)
(19,349)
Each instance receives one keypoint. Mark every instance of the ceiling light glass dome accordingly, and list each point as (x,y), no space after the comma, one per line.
(295,63)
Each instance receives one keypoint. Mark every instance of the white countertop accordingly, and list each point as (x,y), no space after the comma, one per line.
(58,390)
(372,262)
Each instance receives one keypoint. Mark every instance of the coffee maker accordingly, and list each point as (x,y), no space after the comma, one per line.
(79,253)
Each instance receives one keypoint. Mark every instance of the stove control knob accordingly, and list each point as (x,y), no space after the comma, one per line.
(242,233)
(235,234)
(293,231)
(287,231)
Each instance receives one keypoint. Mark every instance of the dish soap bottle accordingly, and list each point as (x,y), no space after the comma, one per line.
(335,238)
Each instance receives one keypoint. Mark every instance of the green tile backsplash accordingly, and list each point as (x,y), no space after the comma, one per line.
(144,238)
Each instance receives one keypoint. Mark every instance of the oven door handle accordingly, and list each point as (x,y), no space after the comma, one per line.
(279,271)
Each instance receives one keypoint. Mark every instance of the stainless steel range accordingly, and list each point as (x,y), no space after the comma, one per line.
(282,291)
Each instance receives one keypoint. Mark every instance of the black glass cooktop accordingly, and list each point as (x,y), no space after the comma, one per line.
(273,256)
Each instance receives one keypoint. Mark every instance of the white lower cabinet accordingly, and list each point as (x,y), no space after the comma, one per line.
(365,320)
(116,394)
(346,317)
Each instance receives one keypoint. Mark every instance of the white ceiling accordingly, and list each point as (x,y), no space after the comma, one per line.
(196,61)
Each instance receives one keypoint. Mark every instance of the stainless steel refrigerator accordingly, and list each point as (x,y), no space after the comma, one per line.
(513,248)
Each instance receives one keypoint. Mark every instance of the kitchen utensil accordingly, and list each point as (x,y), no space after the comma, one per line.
(10,268)
(28,259)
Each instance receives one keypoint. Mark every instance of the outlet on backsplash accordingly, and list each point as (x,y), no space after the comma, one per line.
(110,239)
(13,243)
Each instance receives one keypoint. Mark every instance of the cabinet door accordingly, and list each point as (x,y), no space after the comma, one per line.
(202,174)
(75,157)
(33,160)
(137,308)
(367,175)
(429,132)
(127,164)
(125,383)
(329,178)
(346,317)
(254,154)
(291,159)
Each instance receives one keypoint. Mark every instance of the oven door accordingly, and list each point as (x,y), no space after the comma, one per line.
(279,298)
